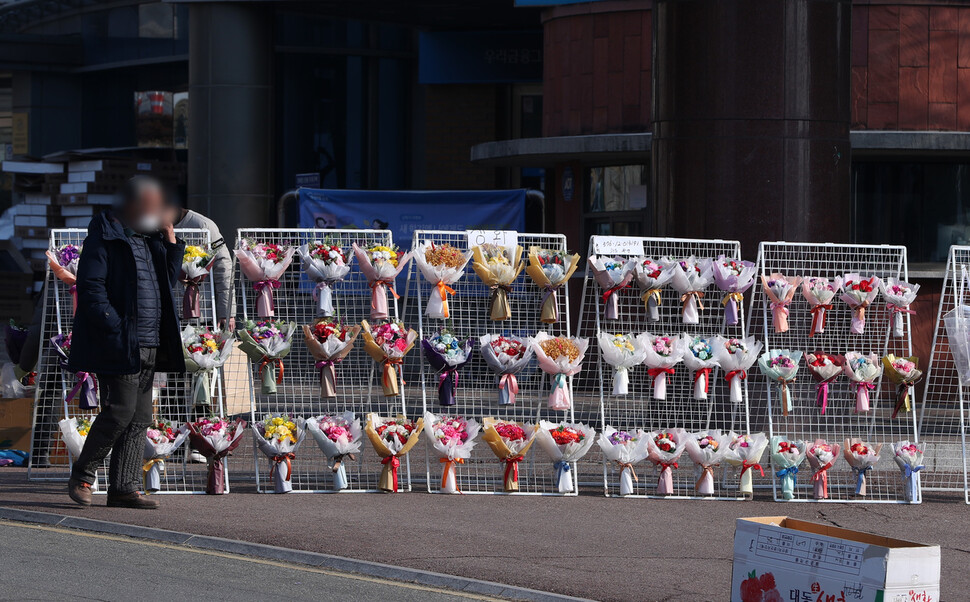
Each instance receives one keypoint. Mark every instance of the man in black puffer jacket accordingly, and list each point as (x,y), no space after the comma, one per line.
(125,329)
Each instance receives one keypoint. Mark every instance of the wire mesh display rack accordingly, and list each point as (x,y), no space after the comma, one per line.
(680,409)
(805,421)
(477,395)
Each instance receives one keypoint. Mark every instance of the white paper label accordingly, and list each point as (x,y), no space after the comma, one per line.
(618,245)
(504,238)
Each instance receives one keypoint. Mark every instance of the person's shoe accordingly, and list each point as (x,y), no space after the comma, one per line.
(197,458)
(131,500)
(79,491)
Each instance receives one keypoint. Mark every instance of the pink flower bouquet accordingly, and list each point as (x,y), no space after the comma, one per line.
(858,293)
(387,344)
(662,354)
(613,274)
(452,438)
(380,265)
(665,448)
(863,371)
(822,456)
(338,437)
(264,263)
(780,289)
(215,438)
(905,372)
(899,296)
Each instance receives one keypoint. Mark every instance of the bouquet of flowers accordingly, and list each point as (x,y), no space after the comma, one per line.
(215,438)
(204,352)
(550,270)
(329,342)
(267,342)
(780,289)
(510,442)
(780,365)
(325,264)
(861,457)
(387,344)
(786,455)
(706,449)
(664,449)
(825,368)
(392,439)
(565,443)
(506,356)
(453,438)
(63,263)
(733,277)
(613,274)
(651,275)
(264,263)
(338,437)
(498,267)
(278,437)
(819,292)
(163,437)
(699,357)
(745,452)
(624,449)
(73,432)
(85,387)
(909,458)
(663,353)
(905,372)
(821,457)
(442,265)
(196,263)
(863,371)
(381,265)
(859,293)
(691,277)
(899,296)
(447,354)
(622,351)
(559,357)
(735,357)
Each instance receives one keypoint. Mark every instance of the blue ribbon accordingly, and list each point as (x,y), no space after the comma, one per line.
(561,469)
(791,471)
(908,472)
(559,381)
(860,478)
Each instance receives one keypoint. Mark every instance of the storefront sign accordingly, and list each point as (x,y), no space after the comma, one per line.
(308,180)
(465,57)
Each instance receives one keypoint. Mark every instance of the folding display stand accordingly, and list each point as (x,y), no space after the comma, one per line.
(805,421)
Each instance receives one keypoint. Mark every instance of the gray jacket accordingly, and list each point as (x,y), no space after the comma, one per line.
(222,268)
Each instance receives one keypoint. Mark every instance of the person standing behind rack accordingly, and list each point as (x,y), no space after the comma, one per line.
(222,267)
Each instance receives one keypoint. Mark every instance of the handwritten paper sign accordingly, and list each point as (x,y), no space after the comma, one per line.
(505,238)
(618,245)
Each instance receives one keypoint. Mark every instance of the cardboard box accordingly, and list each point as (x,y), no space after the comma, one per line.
(16,420)
(811,562)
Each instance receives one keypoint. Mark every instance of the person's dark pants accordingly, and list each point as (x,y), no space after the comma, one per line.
(126,414)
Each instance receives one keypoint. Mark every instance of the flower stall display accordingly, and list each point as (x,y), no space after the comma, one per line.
(822,456)
(442,265)
(510,442)
(196,264)
(559,357)
(622,351)
(267,342)
(899,296)
(279,437)
(706,449)
(780,289)
(745,452)
(905,373)
(780,366)
(204,352)
(700,359)
(381,264)
(664,449)
(506,356)
(550,270)
(612,274)
(338,436)
(452,438)
(325,264)
(392,439)
(863,370)
(858,293)
(74,431)
(652,276)
(819,292)
(825,369)
(735,356)
(447,354)
(663,353)
(85,388)
(624,449)
(861,457)
(63,262)
(215,438)
(909,458)
(329,341)
(691,277)
(387,344)
(162,438)
(264,263)
(498,267)
(733,277)
(786,456)
(564,443)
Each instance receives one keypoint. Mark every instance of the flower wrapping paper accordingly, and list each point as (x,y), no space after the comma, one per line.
(735,356)
(745,452)
(63,263)
(612,274)
(510,442)
(380,273)
(652,276)
(390,355)
(909,458)
(441,278)
(905,373)
(662,354)
(339,437)
(899,295)
(85,388)
(203,358)
(691,277)
(622,352)
(196,265)
(664,449)
(559,368)
(624,449)
(453,439)
(822,456)
(324,273)
(267,343)
(820,292)
(786,456)
(391,452)
(564,443)
(280,451)
(825,369)
(447,355)
(707,449)
(14,337)
(780,366)
(73,437)
(780,289)
(328,354)
(863,370)
(506,365)
(858,293)
(861,457)
(699,357)
(264,265)
(215,438)
(550,270)
(733,277)
(156,453)
(498,267)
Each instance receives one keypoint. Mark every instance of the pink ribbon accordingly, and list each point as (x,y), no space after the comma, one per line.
(509,380)
(443,376)
(899,309)
(262,284)
(782,306)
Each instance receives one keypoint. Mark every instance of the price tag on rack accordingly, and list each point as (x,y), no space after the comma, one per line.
(618,245)
(505,238)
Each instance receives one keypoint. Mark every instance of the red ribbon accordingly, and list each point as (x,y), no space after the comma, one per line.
(820,473)
(279,365)
(706,372)
(664,466)
(512,466)
(389,363)
(745,466)
(277,460)
(394,462)
(610,291)
(818,317)
(655,372)
(739,373)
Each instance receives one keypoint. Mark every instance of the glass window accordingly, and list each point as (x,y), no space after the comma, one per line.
(156,20)
(617,201)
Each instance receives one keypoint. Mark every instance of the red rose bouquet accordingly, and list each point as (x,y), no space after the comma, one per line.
(510,442)
(392,439)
